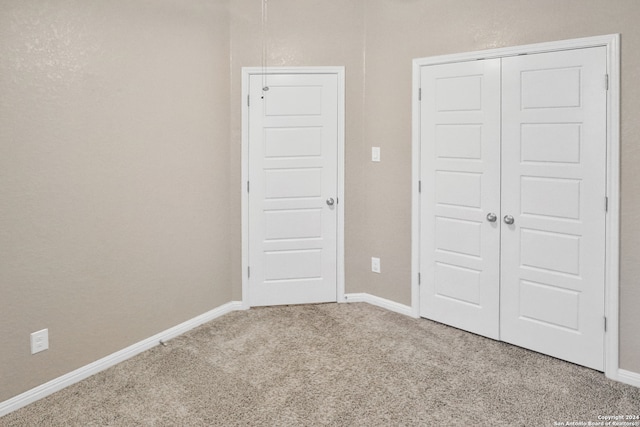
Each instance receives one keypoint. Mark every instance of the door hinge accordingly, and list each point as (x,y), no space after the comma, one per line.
(606,82)
(605,323)
(248,271)
(419,186)
(420,94)
(419,279)
(606,204)
(247,186)
(248,102)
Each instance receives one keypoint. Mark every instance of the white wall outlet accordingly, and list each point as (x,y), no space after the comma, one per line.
(39,341)
(375,264)
(375,154)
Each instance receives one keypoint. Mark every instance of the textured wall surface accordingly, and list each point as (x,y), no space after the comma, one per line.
(113,170)
(120,152)
(398,31)
(391,33)
(301,33)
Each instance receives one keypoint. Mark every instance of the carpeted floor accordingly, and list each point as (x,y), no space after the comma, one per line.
(333,364)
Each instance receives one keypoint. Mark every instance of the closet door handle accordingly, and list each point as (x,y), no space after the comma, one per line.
(491,217)
(330,201)
(508,219)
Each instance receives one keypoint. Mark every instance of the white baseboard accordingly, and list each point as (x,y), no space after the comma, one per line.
(628,377)
(380,302)
(623,376)
(86,371)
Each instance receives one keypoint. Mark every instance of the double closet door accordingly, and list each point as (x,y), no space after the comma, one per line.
(512,207)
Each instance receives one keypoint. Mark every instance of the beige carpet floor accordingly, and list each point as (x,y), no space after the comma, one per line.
(333,364)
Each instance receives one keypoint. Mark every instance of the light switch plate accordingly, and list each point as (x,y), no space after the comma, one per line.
(375,154)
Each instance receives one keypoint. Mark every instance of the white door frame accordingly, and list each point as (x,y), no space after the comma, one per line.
(247,72)
(612,44)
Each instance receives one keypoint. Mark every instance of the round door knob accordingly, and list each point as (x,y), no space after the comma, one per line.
(491,217)
(508,219)
(330,201)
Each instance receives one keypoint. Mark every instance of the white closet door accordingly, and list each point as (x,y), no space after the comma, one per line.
(553,185)
(293,174)
(460,162)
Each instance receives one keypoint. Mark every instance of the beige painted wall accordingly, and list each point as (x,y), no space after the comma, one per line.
(398,31)
(300,33)
(120,152)
(390,33)
(114,147)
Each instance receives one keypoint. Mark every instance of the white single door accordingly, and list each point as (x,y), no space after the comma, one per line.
(460,196)
(293,148)
(553,190)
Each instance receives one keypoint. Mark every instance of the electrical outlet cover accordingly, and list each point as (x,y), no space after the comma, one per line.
(375,154)
(375,264)
(39,341)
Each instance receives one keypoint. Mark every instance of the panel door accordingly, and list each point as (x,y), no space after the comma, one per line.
(553,185)
(460,162)
(293,143)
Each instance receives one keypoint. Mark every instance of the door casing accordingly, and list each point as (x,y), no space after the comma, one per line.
(612,43)
(247,72)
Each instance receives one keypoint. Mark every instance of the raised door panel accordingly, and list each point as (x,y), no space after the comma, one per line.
(460,174)
(293,143)
(553,184)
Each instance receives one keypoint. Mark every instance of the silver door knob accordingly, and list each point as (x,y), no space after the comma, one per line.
(330,201)
(508,219)
(491,217)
